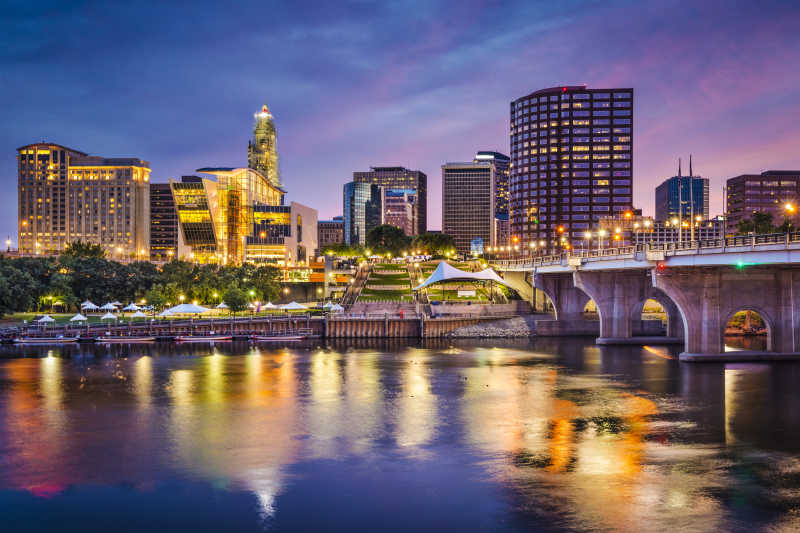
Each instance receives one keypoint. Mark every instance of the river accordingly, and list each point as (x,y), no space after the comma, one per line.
(547,434)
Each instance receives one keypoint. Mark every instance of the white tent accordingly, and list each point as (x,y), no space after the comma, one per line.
(78,318)
(187,308)
(445,272)
(131,307)
(46,319)
(293,306)
(328,305)
(108,316)
(165,312)
(87,305)
(336,308)
(116,303)
(138,314)
(268,305)
(109,307)
(222,305)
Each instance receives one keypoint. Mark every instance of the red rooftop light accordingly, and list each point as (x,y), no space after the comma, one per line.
(564,89)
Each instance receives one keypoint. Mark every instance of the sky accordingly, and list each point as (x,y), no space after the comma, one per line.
(415,84)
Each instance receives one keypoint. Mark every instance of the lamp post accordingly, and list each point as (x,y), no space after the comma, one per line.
(600,234)
(587,240)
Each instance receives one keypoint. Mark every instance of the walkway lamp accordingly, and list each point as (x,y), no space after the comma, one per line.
(181,298)
(600,234)
(587,239)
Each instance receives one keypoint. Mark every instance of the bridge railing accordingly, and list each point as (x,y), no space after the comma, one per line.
(672,248)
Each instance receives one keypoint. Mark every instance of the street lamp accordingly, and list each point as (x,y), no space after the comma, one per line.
(600,234)
(587,239)
(181,298)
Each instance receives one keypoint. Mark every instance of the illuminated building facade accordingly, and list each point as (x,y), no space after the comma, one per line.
(571,162)
(163,223)
(362,211)
(262,150)
(468,203)
(65,195)
(768,192)
(502,165)
(240,216)
(401,178)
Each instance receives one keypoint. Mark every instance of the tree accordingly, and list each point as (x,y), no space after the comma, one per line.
(155,296)
(84,249)
(236,299)
(343,250)
(433,243)
(387,238)
(758,223)
(17,289)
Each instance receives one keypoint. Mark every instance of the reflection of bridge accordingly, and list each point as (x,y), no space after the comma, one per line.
(701,285)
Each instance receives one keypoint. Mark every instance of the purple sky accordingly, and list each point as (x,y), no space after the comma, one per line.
(402,83)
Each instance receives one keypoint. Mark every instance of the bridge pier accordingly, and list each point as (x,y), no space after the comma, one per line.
(709,296)
(619,295)
(568,304)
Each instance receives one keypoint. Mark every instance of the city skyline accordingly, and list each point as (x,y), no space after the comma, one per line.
(425,108)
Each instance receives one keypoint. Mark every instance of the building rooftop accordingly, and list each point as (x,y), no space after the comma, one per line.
(52,144)
(93,161)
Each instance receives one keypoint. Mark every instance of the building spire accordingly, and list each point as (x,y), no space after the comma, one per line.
(679,167)
(690,166)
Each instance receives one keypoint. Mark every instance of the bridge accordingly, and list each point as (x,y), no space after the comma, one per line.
(700,285)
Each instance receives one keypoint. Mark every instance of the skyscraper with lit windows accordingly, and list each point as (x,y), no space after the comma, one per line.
(571,162)
(66,196)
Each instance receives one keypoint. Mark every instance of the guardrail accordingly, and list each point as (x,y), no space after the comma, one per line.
(673,248)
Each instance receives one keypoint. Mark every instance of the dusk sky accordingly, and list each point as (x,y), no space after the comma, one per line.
(359,84)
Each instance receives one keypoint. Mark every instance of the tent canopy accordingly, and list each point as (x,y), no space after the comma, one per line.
(268,305)
(88,305)
(336,308)
(46,318)
(187,308)
(222,305)
(293,306)
(446,272)
(78,318)
(108,316)
(138,314)
(109,307)
(165,312)
(131,307)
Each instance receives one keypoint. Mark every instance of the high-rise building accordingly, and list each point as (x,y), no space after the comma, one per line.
(468,203)
(685,197)
(362,211)
(65,195)
(399,209)
(401,178)
(502,164)
(163,223)
(571,162)
(775,191)
(262,150)
(330,232)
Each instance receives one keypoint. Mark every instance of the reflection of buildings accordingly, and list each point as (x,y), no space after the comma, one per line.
(401,178)
(362,211)
(65,195)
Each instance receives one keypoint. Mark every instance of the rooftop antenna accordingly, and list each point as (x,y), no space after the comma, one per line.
(679,167)
(690,166)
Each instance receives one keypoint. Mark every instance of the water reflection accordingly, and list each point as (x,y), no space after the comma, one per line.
(467,435)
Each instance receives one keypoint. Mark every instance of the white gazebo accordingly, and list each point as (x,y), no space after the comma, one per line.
(138,314)
(131,307)
(269,305)
(293,306)
(222,305)
(108,316)
(46,319)
(78,318)
(88,306)
(187,309)
(109,307)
